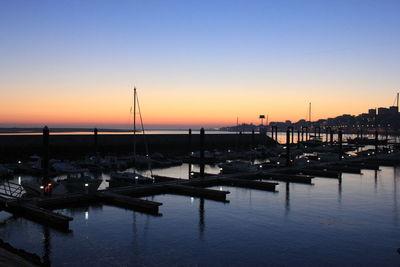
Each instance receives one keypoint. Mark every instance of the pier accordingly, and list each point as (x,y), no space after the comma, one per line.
(40,209)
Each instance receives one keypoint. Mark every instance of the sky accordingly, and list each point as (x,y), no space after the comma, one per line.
(203,63)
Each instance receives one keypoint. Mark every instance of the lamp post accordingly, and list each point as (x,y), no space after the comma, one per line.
(262,117)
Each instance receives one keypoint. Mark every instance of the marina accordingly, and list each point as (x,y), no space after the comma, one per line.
(199,133)
(188,180)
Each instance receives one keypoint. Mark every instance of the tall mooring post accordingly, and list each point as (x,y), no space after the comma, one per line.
(376,142)
(306,133)
(302,133)
(189,151)
(292,129)
(298,138)
(45,151)
(253,139)
(319,131)
(288,147)
(202,152)
(327,135)
(340,136)
(189,142)
(331,135)
(387,137)
(46,185)
(95,141)
(276,133)
(272,132)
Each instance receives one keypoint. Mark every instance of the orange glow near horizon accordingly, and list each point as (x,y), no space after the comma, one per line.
(173,107)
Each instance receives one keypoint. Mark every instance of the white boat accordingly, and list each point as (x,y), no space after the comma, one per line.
(37,188)
(80,180)
(118,179)
(237,166)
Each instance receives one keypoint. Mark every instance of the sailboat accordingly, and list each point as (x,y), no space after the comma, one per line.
(118,179)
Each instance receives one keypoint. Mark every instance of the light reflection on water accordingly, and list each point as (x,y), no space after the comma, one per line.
(354,222)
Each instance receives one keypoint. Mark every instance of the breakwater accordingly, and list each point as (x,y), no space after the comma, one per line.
(73,146)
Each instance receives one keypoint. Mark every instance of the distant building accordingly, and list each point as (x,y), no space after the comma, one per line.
(383,111)
(393,110)
(372,112)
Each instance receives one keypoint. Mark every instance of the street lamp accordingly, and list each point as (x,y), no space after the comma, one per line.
(262,117)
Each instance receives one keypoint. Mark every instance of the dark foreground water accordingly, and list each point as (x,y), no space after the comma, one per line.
(328,223)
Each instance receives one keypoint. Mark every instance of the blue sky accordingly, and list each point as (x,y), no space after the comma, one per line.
(319,51)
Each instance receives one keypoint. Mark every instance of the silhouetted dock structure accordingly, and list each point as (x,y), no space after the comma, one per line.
(40,209)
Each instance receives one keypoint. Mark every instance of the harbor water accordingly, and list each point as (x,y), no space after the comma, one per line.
(350,222)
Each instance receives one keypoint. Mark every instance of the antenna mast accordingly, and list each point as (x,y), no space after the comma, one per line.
(134,122)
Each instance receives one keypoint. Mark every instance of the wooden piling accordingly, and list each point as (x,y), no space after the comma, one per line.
(298,138)
(288,147)
(95,140)
(202,152)
(340,136)
(45,151)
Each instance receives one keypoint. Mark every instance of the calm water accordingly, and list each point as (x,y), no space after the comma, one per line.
(355,222)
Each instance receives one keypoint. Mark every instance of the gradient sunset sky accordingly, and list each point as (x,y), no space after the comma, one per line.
(194,63)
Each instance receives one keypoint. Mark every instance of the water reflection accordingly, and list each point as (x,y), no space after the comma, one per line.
(105,235)
(201,219)
(46,246)
(340,189)
(287,199)
(395,211)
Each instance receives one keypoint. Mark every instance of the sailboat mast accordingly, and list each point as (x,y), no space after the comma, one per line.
(309,112)
(134,122)
(397,102)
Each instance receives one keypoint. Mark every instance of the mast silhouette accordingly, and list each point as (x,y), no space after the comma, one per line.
(134,124)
